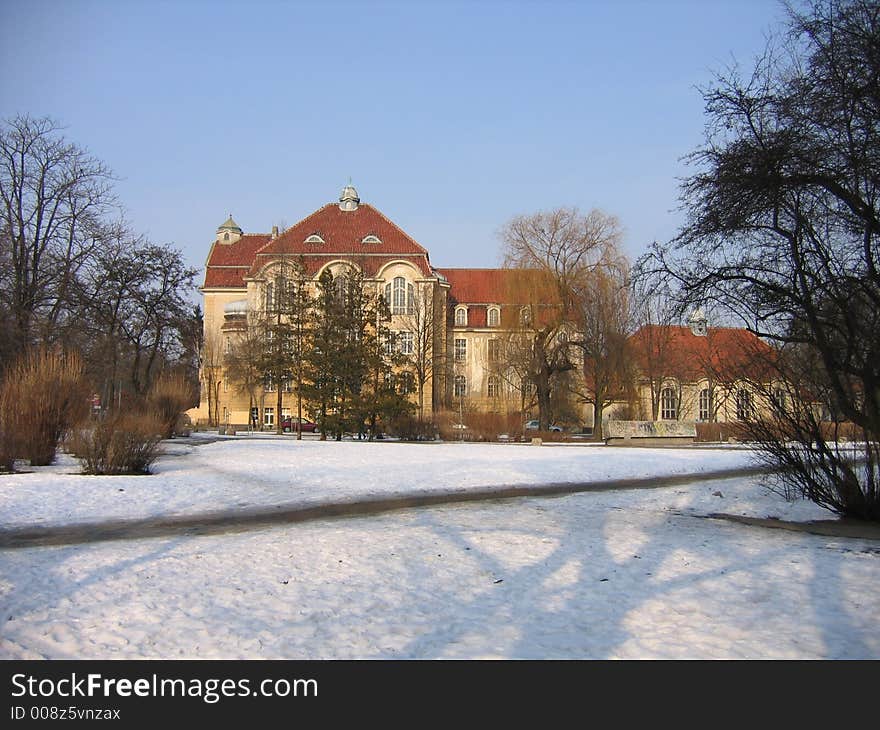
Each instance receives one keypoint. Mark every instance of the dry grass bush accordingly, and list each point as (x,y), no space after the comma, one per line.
(7,435)
(42,396)
(169,397)
(485,427)
(120,443)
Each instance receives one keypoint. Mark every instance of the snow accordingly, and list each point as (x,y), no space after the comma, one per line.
(628,573)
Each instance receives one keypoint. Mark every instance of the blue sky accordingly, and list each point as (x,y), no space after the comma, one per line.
(449,117)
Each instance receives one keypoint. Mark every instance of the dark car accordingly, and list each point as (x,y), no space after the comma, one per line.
(288,425)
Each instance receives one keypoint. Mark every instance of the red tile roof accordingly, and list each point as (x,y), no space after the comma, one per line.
(497,286)
(239,254)
(727,353)
(343,233)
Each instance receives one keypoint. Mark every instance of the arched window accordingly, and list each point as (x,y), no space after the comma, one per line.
(399,296)
(270,295)
(743,405)
(340,287)
(493,318)
(705,404)
(525,316)
(461,316)
(668,405)
(494,388)
(460,386)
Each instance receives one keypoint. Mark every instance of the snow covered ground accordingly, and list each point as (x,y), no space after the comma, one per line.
(617,574)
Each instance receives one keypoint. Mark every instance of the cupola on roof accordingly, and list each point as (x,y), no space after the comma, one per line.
(230,225)
(349,199)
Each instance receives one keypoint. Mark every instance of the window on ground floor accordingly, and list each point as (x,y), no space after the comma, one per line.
(460,386)
(743,405)
(668,405)
(705,405)
(268,416)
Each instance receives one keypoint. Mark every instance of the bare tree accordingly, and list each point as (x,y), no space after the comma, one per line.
(601,299)
(783,230)
(578,256)
(54,197)
(419,322)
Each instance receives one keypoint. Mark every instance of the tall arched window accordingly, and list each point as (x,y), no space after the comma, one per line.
(705,404)
(399,296)
(270,295)
(743,404)
(668,405)
(493,318)
(460,386)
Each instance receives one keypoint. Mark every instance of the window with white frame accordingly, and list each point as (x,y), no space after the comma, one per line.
(743,405)
(287,383)
(459,386)
(461,316)
(268,416)
(494,386)
(405,342)
(269,383)
(493,317)
(390,343)
(460,349)
(668,404)
(705,405)
(399,296)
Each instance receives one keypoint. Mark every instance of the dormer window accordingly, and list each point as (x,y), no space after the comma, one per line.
(461,316)
(493,317)
(525,316)
(314,238)
(371,239)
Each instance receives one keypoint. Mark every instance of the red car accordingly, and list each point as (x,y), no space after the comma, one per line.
(288,425)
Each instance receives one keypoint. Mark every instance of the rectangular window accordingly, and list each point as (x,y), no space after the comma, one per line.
(460,386)
(405,342)
(494,386)
(269,383)
(494,350)
(268,416)
(460,350)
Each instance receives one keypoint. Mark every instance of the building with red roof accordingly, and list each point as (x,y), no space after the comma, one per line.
(697,372)
(472,308)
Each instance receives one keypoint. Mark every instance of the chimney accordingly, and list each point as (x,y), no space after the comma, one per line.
(274,231)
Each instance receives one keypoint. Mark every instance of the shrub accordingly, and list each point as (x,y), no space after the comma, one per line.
(121,443)
(43,394)
(169,397)
(410,428)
